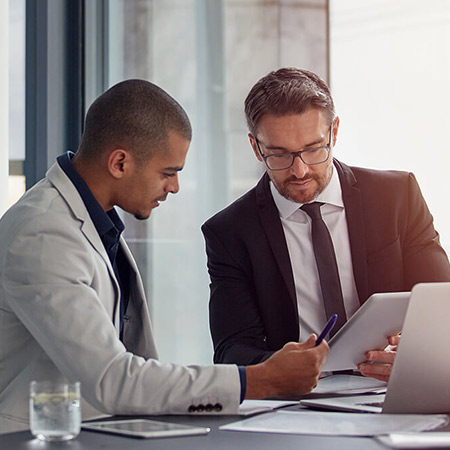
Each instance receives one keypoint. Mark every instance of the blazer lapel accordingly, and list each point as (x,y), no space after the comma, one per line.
(270,219)
(356,229)
(67,190)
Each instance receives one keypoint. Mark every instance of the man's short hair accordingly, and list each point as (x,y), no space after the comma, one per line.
(135,115)
(287,91)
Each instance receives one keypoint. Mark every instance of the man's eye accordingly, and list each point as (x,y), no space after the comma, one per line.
(281,155)
(314,150)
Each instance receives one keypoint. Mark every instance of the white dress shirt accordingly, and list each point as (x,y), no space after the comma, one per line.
(297,229)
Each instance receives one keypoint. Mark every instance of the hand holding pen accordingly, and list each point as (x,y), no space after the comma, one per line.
(328,327)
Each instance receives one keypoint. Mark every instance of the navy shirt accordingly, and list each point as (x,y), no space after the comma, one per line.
(109,227)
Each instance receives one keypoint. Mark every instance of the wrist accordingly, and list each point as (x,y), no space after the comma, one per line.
(258,382)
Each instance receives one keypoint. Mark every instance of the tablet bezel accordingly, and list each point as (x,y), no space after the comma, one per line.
(168,429)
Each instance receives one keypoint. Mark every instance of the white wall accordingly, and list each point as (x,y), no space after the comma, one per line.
(390,74)
(4,78)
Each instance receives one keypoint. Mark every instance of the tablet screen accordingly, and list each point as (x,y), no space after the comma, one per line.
(144,428)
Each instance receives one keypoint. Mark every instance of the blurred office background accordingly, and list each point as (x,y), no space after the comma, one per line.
(387,64)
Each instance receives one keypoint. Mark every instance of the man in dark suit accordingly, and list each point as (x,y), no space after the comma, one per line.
(265,284)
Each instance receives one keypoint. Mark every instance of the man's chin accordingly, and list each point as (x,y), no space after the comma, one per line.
(142,217)
(300,196)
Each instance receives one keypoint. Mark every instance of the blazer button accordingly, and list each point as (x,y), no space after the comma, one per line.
(192,408)
(200,408)
(217,407)
(209,407)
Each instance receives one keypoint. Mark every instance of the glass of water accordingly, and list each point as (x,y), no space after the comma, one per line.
(55,413)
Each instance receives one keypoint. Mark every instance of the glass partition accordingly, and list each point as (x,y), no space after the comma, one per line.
(206,54)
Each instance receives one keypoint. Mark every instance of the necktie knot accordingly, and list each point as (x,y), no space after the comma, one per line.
(313,210)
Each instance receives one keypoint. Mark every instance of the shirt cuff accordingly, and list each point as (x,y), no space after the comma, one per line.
(243,378)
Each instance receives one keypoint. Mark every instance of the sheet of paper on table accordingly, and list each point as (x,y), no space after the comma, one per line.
(337,424)
(249,407)
(434,439)
(349,384)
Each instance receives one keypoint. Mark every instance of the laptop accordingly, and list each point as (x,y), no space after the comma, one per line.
(420,378)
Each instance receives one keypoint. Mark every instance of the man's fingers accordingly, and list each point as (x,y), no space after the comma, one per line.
(379,362)
(394,340)
(309,343)
(374,370)
(385,356)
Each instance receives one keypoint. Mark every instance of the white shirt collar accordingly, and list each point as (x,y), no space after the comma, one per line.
(331,195)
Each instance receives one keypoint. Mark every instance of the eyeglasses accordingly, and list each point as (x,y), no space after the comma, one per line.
(311,156)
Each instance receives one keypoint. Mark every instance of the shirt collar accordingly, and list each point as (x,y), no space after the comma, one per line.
(104,222)
(331,195)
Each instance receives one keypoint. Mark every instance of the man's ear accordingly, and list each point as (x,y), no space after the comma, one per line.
(119,161)
(252,140)
(335,130)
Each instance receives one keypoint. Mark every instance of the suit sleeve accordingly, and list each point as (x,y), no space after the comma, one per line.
(236,323)
(57,287)
(424,258)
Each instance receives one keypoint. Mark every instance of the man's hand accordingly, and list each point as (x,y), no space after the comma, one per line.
(379,362)
(292,371)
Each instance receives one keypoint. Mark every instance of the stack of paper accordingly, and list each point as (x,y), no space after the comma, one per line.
(417,440)
(340,424)
(349,384)
(249,407)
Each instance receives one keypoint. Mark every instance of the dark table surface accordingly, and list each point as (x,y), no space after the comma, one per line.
(216,439)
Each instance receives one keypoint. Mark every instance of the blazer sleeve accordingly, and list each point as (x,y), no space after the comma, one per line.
(236,323)
(59,289)
(423,257)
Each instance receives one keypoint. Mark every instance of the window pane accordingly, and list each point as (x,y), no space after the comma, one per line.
(390,68)
(207,55)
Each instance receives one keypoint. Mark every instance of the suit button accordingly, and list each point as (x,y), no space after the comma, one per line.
(217,407)
(209,407)
(192,408)
(200,408)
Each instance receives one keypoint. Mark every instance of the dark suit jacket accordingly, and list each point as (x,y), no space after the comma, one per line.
(253,305)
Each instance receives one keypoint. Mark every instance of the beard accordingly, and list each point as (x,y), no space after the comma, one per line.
(318,183)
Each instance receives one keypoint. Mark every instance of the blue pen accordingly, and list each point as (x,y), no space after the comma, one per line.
(328,327)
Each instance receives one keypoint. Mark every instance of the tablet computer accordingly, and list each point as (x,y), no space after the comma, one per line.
(381,316)
(144,428)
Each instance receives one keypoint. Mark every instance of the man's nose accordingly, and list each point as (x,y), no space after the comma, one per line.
(299,168)
(173,185)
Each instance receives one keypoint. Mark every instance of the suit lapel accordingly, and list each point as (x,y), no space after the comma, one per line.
(355,222)
(68,191)
(270,219)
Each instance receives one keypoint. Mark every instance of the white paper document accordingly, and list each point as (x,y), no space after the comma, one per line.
(417,440)
(249,407)
(349,384)
(337,424)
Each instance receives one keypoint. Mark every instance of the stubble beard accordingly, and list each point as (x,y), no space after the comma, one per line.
(308,196)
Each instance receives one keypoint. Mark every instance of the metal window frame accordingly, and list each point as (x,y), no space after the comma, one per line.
(54,82)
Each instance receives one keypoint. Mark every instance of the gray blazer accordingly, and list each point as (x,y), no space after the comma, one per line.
(59,318)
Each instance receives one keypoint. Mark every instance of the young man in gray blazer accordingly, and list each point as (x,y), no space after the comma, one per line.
(265,283)
(72,304)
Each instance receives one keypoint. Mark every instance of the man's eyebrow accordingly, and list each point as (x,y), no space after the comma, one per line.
(277,147)
(173,169)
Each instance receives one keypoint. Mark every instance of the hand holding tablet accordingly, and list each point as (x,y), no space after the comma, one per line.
(381,316)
